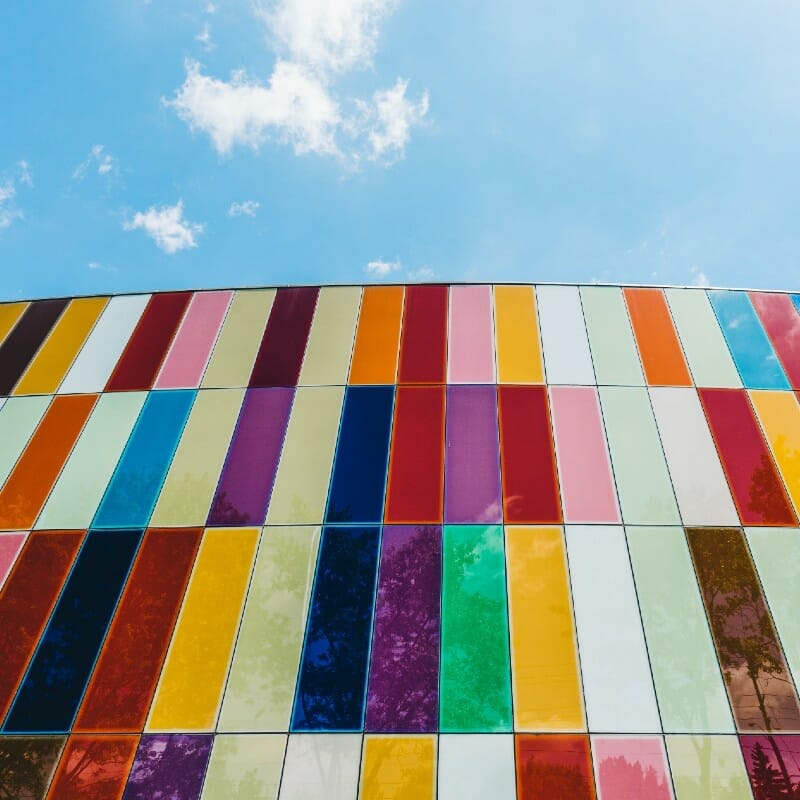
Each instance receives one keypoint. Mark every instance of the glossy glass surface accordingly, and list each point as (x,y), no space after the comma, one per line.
(27,764)
(516,330)
(554,765)
(245,766)
(377,341)
(470,351)
(321,767)
(773,764)
(398,767)
(93,768)
(170,765)
(19,417)
(476,765)
(567,357)
(628,766)
(707,768)
(781,320)
(423,345)
(10,546)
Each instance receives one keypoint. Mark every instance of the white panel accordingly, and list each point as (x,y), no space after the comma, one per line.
(476,766)
(697,476)
(616,673)
(567,358)
(321,767)
(96,361)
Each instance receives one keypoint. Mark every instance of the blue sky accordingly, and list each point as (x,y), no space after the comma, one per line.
(180,143)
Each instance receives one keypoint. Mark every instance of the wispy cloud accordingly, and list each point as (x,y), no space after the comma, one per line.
(421,275)
(381,269)
(699,278)
(25,176)
(247,208)
(98,159)
(166,226)
(204,37)
(10,211)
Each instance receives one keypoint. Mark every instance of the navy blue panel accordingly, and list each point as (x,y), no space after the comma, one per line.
(59,671)
(333,672)
(362,455)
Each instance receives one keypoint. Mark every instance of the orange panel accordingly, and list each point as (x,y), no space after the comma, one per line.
(378,335)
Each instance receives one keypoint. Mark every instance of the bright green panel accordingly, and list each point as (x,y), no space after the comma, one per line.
(691,694)
(262,679)
(475,688)
(79,490)
(245,767)
(616,360)
(640,470)
(18,420)
(702,339)
(707,768)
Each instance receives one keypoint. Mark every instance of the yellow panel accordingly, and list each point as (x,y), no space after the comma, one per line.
(398,768)
(547,689)
(191,684)
(9,314)
(519,353)
(47,370)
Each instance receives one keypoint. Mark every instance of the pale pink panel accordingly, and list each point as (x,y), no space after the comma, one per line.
(10,545)
(587,488)
(471,341)
(634,766)
(187,358)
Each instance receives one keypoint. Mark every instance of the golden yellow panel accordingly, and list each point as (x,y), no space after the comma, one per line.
(398,768)
(9,314)
(519,352)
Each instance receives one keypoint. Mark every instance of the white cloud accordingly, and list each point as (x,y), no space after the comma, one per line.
(247,208)
(699,278)
(98,157)
(166,227)
(204,37)
(381,269)
(9,210)
(211,9)
(393,116)
(25,173)
(422,274)
(7,192)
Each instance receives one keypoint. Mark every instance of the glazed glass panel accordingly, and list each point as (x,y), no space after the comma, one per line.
(565,344)
(470,351)
(400,767)
(377,341)
(245,765)
(519,351)
(423,344)
(476,765)
(321,767)
(707,768)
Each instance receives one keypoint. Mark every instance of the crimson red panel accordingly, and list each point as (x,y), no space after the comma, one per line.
(554,766)
(94,768)
(423,349)
(416,466)
(782,323)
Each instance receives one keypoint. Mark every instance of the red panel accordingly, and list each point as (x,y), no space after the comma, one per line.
(530,485)
(124,680)
(138,366)
(416,467)
(423,349)
(554,766)
(782,323)
(756,487)
(27,599)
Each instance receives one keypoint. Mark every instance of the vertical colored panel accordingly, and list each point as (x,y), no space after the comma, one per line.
(260,688)
(640,470)
(245,485)
(614,354)
(27,599)
(190,689)
(192,478)
(301,485)
(475,686)
(476,765)
(28,764)
(93,768)
(546,682)
(330,342)
(691,693)
(280,355)
(321,767)
(235,351)
(707,768)
(587,487)
(701,336)
(471,342)
(759,687)
(99,355)
(9,316)
(772,765)
(659,348)
(782,323)
(19,418)
(132,493)
(26,489)
(187,358)
(10,546)
(170,766)
(137,640)
(332,678)
(404,673)
(80,486)
(245,767)
(56,355)
(423,347)
(398,768)
(564,341)
(57,675)
(414,492)
(378,336)
(472,471)
(554,766)
(519,353)
(697,477)
(757,490)
(139,364)
(617,683)
(628,767)
(362,455)
(21,344)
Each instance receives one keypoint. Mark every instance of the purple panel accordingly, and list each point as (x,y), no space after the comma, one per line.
(246,482)
(404,672)
(472,467)
(169,766)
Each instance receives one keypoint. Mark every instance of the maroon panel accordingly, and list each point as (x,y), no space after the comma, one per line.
(423,349)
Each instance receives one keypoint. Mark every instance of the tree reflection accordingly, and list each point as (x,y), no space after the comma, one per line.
(554,766)
(773,765)
(94,769)
(26,765)
(170,766)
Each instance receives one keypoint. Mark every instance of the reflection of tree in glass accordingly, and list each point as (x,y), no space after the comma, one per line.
(766,497)
(223,511)
(96,768)
(554,767)
(630,779)
(173,765)
(26,764)
(769,778)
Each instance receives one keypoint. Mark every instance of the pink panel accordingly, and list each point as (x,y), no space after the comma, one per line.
(187,358)
(10,545)
(629,767)
(471,341)
(587,488)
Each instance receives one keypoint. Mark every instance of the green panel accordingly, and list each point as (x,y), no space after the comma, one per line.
(18,420)
(691,693)
(707,768)
(245,767)
(475,690)
(640,470)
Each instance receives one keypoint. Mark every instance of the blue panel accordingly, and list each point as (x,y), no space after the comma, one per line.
(751,350)
(331,686)
(131,496)
(362,456)
(60,669)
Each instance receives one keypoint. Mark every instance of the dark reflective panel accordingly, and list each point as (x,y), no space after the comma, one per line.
(759,686)
(93,768)
(773,766)
(423,346)
(404,672)
(782,323)
(554,766)
(362,453)
(280,355)
(169,766)
(53,686)
(333,670)
(27,764)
